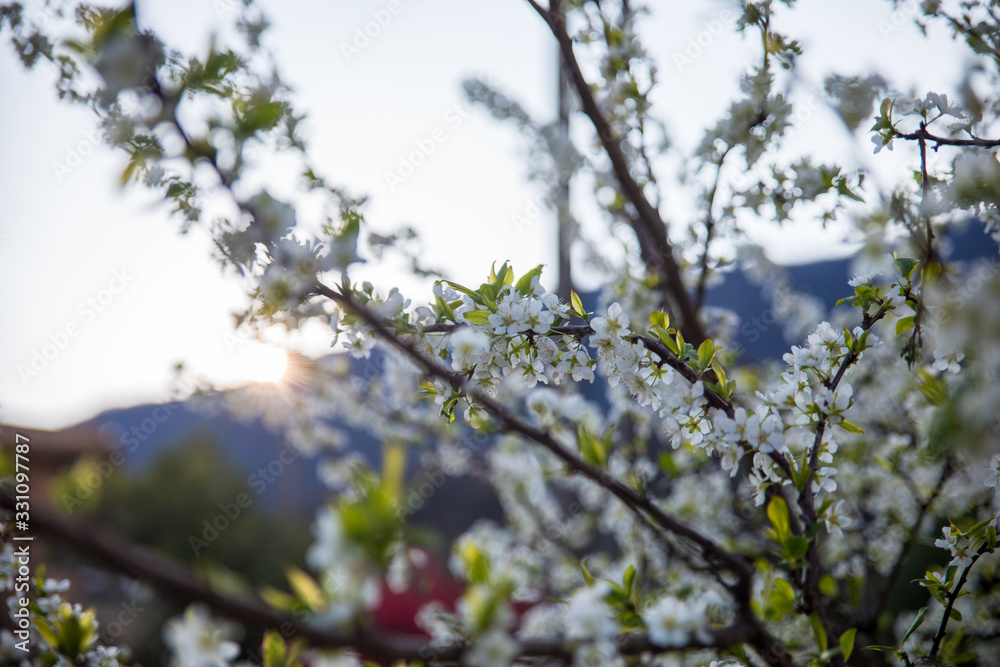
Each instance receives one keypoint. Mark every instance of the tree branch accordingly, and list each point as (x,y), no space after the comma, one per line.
(952,596)
(181,584)
(649,226)
(897,566)
(713,553)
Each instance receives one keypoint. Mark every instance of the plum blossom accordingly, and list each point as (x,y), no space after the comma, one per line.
(273,219)
(608,331)
(957,544)
(672,623)
(468,349)
(198,641)
(993,478)
(587,615)
(516,315)
(495,648)
(862,277)
(347,576)
(835,519)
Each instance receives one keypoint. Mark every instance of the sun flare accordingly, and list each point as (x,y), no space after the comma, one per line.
(266,363)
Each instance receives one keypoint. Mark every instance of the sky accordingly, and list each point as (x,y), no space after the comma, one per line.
(101,295)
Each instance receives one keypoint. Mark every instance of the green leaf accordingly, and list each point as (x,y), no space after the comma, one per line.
(506,275)
(866,293)
(524,284)
(706,353)
(577,304)
(587,576)
(880,648)
(444,309)
(777,513)
(273,648)
(720,371)
(819,634)
(480,317)
(629,580)
(305,588)
(885,109)
(592,449)
(782,596)
(852,299)
(917,622)
(489,293)
(906,266)
(851,427)
(465,290)
(796,547)
(932,272)
(903,324)
(847,643)
(659,319)
(477,568)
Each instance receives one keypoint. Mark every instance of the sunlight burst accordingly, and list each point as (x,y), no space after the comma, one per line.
(266,363)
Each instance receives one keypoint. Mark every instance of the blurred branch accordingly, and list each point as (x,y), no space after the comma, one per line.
(180,583)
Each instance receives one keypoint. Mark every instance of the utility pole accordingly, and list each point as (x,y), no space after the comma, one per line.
(563,218)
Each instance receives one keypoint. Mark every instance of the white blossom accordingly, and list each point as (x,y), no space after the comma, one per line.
(588,616)
(196,640)
(495,648)
(672,623)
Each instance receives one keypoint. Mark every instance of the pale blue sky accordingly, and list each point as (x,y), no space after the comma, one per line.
(66,234)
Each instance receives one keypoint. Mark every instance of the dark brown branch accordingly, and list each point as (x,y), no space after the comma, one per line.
(179,583)
(649,227)
(923,135)
(952,596)
(883,599)
(810,586)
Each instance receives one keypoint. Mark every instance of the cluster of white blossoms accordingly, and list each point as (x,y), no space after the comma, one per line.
(587,614)
(674,623)
(350,581)
(957,544)
(196,640)
(67,624)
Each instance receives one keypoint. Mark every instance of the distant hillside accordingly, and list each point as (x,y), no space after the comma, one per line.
(143,433)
